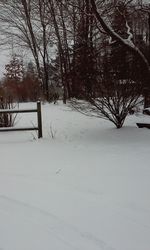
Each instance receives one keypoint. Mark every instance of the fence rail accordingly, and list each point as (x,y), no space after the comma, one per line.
(39,119)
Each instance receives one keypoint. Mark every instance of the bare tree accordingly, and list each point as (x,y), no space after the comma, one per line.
(115,99)
(26,21)
(118,90)
(127,43)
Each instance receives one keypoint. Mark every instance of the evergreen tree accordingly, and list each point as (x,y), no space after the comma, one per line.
(14,69)
(13,77)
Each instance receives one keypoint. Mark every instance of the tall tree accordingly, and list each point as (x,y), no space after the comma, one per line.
(128,44)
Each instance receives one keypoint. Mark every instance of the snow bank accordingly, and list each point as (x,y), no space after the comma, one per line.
(84,186)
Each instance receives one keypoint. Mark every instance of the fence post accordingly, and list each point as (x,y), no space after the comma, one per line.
(39,118)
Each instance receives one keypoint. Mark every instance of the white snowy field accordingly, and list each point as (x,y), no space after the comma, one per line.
(88,188)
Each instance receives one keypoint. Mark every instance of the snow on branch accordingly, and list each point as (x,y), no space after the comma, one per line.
(130,35)
(125,42)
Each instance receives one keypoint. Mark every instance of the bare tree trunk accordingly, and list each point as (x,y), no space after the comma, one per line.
(60,49)
(33,39)
(66,56)
(44,53)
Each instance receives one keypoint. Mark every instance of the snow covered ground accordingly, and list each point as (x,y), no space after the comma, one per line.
(88,188)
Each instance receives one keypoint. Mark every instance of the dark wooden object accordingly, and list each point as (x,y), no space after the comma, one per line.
(143,125)
(146,112)
(39,119)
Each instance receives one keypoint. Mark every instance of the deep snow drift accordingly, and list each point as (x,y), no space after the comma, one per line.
(84,186)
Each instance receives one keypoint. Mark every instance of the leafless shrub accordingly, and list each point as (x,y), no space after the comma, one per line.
(7,119)
(114,101)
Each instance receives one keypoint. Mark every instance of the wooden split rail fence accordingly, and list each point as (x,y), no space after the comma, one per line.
(15,111)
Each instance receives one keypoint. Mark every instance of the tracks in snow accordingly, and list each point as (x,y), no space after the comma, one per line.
(69,236)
